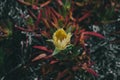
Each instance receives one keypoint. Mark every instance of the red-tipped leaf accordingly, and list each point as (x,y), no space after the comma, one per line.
(43,48)
(45,3)
(93,34)
(40,56)
(84,17)
(92,72)
(35,7)
(39,17)
(54,61)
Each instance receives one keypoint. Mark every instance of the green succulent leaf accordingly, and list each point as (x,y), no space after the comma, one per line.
(56,51)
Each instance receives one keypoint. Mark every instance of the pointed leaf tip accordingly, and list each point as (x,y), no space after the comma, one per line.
(92,72)
(43,48)
(94,34)
(40,56)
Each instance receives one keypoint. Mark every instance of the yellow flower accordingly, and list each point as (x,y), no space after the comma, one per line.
(61,39)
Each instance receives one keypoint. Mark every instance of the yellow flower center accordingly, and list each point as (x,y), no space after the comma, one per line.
(60,34)
(61,39)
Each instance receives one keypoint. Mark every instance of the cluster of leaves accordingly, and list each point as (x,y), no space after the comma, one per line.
(45,17)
